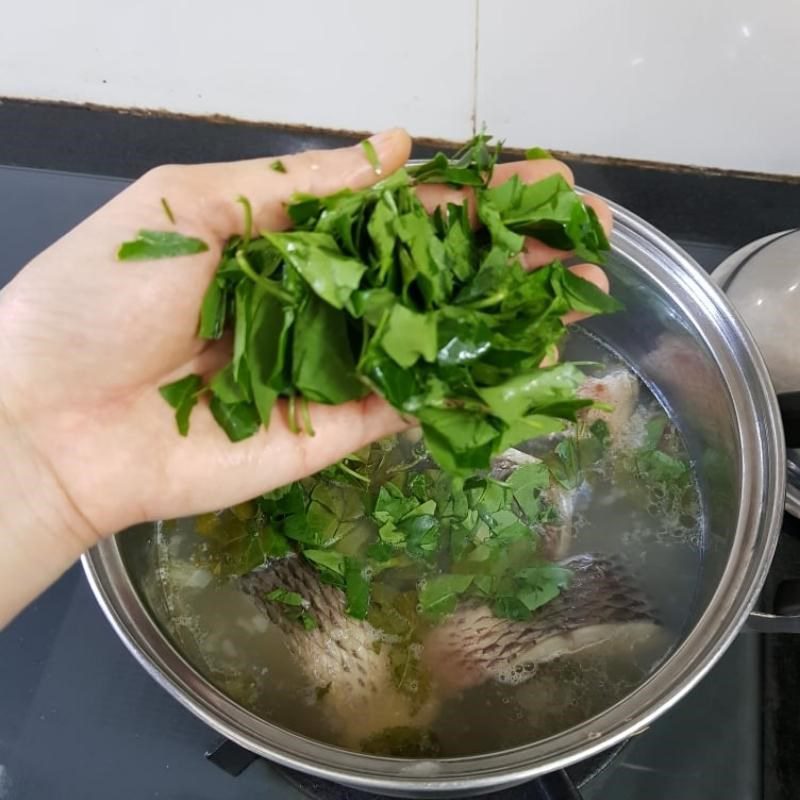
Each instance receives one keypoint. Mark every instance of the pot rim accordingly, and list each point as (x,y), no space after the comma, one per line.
(761,499)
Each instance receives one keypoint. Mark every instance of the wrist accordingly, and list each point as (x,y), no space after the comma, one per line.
(42,533)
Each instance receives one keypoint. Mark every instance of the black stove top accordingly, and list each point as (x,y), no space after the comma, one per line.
(79,718)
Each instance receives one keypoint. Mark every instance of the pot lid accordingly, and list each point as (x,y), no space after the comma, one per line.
(762,280)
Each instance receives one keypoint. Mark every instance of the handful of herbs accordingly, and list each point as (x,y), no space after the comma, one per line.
(369,292)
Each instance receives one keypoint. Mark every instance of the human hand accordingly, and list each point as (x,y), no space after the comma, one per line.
(85,342)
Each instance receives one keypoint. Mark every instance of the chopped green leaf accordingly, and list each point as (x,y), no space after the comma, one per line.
(295,607)
(329,559)
(286,597)
(238,420)
(308,621)
(551,211)
(356,589)
(317,257)
(278,166)
(267,351)
(421,533)
(248,220)
(534,153)
(527,482)
(654,431)
(440,594)
(585,296)
(472,165)
(659,466)
(408,336)
(225,387)
(511,607)
(235,547)
(538,390)
(537,586)
(599,429)
(149,245)
(372,156)
(213,311)
(182,396)
(243,312)
(324,368)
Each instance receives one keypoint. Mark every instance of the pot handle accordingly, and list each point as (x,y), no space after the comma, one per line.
(230,757)
(786,618)
(786,607)
(789,404)
(553,786)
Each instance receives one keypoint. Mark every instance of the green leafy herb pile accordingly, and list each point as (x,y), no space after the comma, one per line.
(369,292)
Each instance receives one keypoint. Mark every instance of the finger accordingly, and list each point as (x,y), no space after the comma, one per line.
(210,472)
(603,211)
(435,195)
(208,192)
(207,362)
(593,274)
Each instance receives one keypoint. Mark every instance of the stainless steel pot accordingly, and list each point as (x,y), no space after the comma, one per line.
(686,341)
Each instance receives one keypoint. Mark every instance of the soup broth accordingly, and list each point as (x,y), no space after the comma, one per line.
(618,522)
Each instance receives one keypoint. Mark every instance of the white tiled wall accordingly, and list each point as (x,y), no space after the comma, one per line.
(707,82)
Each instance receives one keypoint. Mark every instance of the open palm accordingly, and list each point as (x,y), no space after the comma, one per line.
(86,340)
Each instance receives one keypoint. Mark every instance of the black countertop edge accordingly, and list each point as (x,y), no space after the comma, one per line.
(695,205)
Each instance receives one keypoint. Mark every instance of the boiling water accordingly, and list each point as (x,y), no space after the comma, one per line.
(655,530)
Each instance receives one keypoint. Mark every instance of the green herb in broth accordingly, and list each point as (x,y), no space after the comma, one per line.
(387,519)
(404,742)
(574,455)
(383,522)
(659,468)
(493,556)
(232,546)
(369,292)
(294,607)
(397,614)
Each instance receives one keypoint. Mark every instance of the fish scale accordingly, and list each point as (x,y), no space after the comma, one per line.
(472,645)
(345,658)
